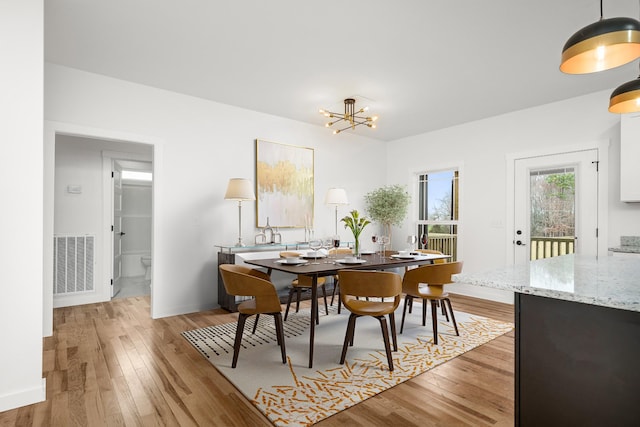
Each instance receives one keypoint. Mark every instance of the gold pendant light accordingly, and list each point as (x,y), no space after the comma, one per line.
(602,45)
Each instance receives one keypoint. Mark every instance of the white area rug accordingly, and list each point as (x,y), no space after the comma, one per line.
(291,394)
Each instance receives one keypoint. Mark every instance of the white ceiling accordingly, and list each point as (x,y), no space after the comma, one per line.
(420,65)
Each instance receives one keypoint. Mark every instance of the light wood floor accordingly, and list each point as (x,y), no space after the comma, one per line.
(110,364)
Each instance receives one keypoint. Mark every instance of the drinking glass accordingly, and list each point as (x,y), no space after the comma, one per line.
(315,245)
(384,241)
(327,244)
(336,245)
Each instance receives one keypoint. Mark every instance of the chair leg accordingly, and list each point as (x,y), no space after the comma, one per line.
(280,335)
(392,320)
(434,320)
(444,310)
(410,306)
(407,303)
(255,324)
(286,312)
(424,312)
(324,294)
(236,345)
(333,294)
(453,318)
(348,336)
(385,337)
(298,292)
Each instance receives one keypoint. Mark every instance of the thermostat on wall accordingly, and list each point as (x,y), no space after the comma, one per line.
(74,189)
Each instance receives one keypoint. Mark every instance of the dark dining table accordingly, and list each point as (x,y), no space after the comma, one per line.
(323,269)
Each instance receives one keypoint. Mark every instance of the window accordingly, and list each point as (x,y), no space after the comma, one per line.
(438,211)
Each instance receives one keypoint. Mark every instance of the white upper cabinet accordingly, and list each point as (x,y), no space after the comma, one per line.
(630,158)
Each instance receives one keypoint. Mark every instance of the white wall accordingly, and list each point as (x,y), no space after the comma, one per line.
(481,149)
(202,145)
(21,78)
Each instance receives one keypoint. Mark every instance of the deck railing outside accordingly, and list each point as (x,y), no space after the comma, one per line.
(547,247)
(445,243)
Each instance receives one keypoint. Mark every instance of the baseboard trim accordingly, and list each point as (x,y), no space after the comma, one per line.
(498,295)
(24,397)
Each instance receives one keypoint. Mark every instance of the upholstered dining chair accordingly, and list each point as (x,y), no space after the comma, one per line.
(303,283)
(243,281)
(336,280)
(427,283)
(365,283)
(435,261)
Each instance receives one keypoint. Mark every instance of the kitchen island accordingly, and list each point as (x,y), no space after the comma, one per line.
(577,339)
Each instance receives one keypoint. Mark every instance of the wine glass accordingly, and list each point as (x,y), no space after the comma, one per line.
(424,241)
(412,240)
(315,245)
(374,239)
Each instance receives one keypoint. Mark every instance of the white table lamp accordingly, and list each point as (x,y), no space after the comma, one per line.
(239,189)
(336,196)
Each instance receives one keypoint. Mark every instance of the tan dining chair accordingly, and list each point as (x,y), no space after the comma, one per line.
(303,283)
(366,283)
(243,281)
(427,283)
(336,279)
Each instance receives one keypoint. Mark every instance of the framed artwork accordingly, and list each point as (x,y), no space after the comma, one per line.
(284,185)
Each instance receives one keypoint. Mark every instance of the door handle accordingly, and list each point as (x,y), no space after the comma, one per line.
(520,243)
(122,233)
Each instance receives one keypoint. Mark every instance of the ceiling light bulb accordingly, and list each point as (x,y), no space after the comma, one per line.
(373,126)
(335,132)
(374,118)
(365,109)
(600,52)
(321,111)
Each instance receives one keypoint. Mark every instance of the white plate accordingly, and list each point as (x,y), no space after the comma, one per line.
(314,257)
(296,262)
(353,262)
(367,252)
(404,256)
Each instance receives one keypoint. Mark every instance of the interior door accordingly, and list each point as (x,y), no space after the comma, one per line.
(117,232)
(556,205)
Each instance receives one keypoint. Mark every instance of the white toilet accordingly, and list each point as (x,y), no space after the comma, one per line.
(146,262)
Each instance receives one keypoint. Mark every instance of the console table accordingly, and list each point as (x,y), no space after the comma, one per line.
(227,255)
(577,339)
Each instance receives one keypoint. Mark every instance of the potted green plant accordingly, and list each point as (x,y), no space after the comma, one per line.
(356,224)
(388,206)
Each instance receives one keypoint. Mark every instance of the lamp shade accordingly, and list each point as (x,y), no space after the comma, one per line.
(626,98)
(602,45)
(336,196)
(239,189)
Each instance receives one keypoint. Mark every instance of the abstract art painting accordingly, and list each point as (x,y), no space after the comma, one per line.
(284,181)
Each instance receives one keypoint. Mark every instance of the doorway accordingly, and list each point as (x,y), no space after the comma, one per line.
(132,201)
(82,212)
(556,203)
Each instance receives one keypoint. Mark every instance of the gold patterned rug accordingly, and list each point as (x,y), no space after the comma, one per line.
(291,394)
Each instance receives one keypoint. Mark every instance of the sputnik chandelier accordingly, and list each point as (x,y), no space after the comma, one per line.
(351,117)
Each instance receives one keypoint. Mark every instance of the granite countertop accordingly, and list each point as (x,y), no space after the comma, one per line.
(606,281)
